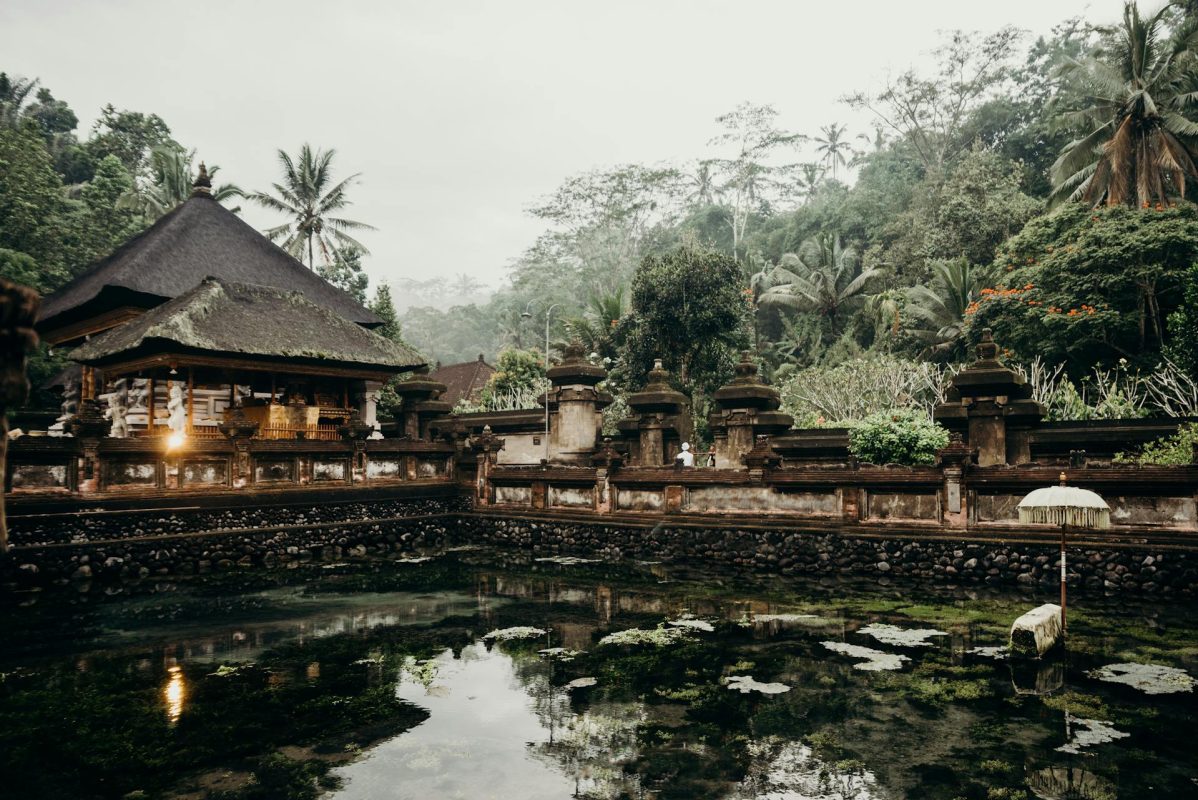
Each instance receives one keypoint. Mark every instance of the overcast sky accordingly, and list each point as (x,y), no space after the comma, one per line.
(461,114)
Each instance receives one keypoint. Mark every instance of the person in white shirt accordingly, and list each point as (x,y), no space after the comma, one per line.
(686,458)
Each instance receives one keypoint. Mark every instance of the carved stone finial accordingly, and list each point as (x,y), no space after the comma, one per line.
(203,183)
(987,350)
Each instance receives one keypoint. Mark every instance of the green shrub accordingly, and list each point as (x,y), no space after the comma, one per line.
(1175,450)
(903,436)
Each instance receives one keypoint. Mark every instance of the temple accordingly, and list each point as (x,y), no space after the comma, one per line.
(201,315)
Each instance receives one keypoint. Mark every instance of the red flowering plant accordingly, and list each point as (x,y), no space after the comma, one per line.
(1088,286)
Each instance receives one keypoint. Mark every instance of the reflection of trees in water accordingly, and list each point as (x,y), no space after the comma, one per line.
(787,769)
(593,746)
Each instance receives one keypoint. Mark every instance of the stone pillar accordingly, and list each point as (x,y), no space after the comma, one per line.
(369,408)
(486,445)
(745,409)
(660,420)
(991,406)
(955,459)
(761,459)
(414,415)
(606,462)
(89,426)
(239,430)
(574,407)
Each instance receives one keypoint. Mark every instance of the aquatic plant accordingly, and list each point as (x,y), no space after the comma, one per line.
(657,637)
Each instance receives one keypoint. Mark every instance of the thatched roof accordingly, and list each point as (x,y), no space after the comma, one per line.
(237,319)
(200,237)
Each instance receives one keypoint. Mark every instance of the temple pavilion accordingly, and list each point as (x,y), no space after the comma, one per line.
(201,314)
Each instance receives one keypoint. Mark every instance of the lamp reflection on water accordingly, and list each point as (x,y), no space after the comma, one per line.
(175,692)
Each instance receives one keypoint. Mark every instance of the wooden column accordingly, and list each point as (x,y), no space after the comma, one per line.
(150,407)
(191,425)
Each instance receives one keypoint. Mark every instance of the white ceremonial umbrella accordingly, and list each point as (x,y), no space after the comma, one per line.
(1065,506)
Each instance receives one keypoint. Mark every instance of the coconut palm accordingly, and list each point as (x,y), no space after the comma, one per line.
(14,92)
(938,309)
(1138,94)
(833,147)
(170,183)
(308,196)
(824,277)
(808,178)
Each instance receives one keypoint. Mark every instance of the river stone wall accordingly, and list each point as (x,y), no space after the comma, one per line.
(108,548)
(86,527)
(831,555)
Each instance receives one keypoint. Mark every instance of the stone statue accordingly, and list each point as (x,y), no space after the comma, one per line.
(118,409)
(70,407)
(176,410)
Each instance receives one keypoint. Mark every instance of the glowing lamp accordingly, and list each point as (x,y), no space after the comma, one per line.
(175,440)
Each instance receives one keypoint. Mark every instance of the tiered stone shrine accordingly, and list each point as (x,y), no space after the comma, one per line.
(746,408)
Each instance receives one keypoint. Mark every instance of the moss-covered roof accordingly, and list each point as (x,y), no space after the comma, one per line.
(242,319)
(200,237)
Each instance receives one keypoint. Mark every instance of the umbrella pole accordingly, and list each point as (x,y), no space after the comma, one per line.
(1063,526)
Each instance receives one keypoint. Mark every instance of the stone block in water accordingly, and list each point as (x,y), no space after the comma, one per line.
(1037,631)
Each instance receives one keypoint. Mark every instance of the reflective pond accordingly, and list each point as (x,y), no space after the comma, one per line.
(478,674)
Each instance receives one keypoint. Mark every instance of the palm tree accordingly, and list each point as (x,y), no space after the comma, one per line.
(824,277)
(1138,94)
(14,92)
(307,196)
(833,148)
(597,323)
(939,309)
(170,183)
(808,178)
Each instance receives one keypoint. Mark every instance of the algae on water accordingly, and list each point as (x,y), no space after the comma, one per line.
(901,637)
(1148,678)
(874,660)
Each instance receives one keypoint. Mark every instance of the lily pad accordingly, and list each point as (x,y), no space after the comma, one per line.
(582,683)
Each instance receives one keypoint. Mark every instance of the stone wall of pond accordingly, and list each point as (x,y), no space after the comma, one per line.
(831,555)
(84,526)
(117,546)
(111,561)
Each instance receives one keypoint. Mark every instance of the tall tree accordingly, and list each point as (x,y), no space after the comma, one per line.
(1137,105)
(929,111)
(384,308)
(309,197)
(749,178)
(688,308)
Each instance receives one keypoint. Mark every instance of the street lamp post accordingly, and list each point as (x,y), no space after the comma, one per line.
(548,314)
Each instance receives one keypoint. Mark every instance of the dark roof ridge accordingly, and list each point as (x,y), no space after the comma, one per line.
(144,263)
